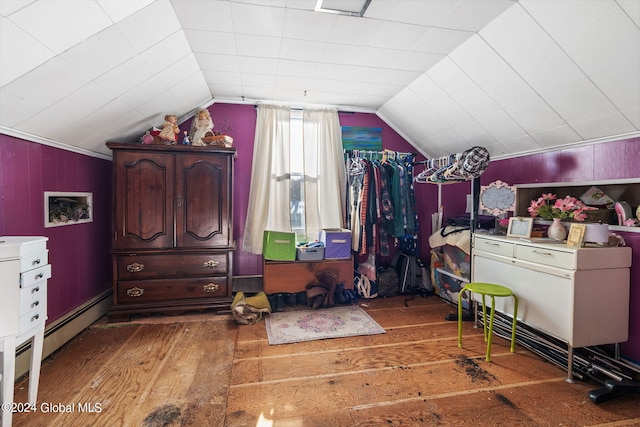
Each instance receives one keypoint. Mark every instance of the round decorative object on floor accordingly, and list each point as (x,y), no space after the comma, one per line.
(556,230)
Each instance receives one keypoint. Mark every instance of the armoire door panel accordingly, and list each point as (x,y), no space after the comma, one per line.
(145,218)
(202,214)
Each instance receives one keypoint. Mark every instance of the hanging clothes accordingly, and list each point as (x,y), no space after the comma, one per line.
(381,202)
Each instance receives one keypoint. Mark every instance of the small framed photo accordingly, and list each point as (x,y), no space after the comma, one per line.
(575,239)
(520,227)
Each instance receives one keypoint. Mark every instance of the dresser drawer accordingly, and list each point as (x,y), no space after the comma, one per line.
(29,262)
(494,246)
(33,317)
(546,256)
(36,275)
(172,289)
(33,297)
(137,267)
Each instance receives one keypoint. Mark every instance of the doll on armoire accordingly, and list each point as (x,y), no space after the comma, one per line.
(201,126)
(170,129)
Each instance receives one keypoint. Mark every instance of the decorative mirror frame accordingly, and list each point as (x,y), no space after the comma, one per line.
(495,196)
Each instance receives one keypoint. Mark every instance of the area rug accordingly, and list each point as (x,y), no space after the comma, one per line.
(308,325)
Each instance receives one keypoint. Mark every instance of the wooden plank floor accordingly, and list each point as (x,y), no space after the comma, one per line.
(204,370)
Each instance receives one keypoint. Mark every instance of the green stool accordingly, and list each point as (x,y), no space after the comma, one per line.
(493,291)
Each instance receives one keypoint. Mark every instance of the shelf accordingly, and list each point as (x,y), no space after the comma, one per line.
(619,190)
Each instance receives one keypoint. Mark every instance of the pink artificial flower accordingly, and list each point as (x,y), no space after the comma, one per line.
(579,216)
(548,196)
(565,205)
(535,205)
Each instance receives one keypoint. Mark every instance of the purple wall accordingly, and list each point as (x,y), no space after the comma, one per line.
(78,254)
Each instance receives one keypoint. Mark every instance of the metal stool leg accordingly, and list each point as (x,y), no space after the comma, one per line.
(484,317)
(460,317)
(515,323)
(493,304)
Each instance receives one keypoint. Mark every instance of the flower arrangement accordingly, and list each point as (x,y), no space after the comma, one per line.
(549,206)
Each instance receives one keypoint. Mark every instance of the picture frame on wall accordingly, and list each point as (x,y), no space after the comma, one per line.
(361,138)
(575,238)
(67,208)
(520,227)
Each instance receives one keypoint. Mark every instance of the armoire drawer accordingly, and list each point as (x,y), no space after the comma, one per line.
(137,267)
(494,246)
(172,289)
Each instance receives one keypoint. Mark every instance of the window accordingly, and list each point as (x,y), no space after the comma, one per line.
(298,181)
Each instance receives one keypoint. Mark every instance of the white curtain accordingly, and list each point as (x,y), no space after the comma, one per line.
(324,171)
(325,177)
(268,207)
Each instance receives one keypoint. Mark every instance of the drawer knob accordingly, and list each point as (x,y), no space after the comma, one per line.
(36,317)
(135,292)
(35,304)
(36,289)
(211,264)
(135,267)
(39,276)
(211,287)
(35,261)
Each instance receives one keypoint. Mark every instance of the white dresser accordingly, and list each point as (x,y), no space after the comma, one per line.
(24,270)
(578,295)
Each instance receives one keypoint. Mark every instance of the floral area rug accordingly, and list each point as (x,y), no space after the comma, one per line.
(307,325)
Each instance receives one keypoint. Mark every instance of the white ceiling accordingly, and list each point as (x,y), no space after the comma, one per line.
(513,76)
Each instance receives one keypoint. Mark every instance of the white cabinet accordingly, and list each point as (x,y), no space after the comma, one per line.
(578,295)
(24,270)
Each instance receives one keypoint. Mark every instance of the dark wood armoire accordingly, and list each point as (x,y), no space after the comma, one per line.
(172,241)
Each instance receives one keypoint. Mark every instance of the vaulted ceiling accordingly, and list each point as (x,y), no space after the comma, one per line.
(513,76)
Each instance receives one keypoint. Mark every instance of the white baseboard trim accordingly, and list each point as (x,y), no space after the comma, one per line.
(64,329)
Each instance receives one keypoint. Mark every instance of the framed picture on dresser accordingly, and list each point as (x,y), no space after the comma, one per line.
(575,239)
(520,227)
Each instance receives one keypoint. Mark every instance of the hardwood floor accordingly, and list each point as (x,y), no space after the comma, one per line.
(204,370)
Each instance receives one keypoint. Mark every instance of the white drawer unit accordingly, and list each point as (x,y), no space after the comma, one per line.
(24,270)
(578,295)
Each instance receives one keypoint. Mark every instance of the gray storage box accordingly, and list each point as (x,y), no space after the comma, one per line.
(310,254)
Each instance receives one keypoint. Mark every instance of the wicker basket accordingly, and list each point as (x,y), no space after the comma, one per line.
(218,140)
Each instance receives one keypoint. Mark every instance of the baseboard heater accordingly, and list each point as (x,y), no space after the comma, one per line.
(588,363)
(64,329)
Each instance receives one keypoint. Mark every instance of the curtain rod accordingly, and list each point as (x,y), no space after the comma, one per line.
(255,106)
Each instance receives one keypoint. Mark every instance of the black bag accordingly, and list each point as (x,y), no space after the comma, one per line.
(409,270)
(486,222)
(463,222)
(388,282)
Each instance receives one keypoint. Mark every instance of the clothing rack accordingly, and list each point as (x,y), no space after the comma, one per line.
(378,155)
(458,167)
